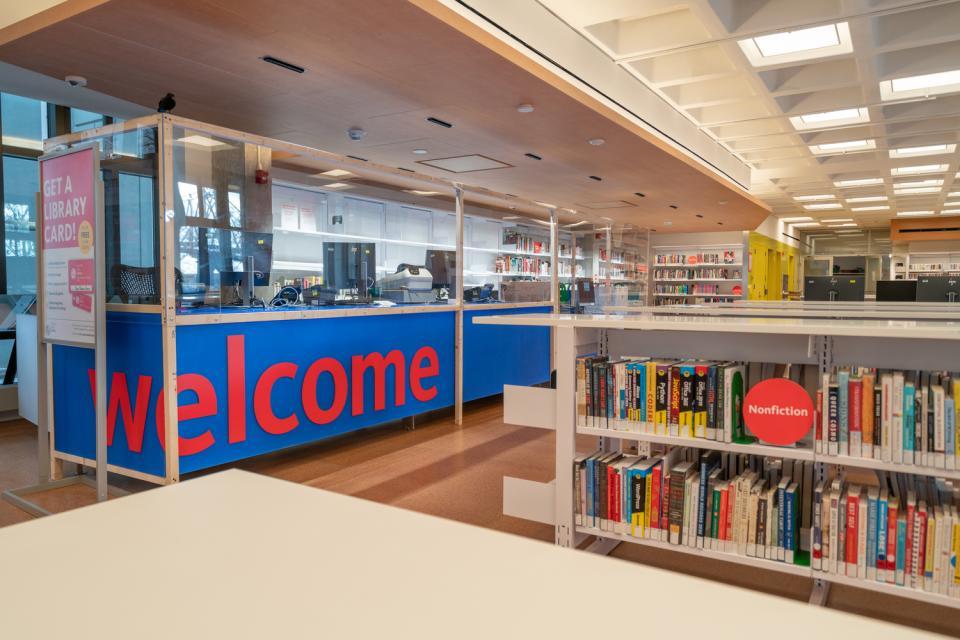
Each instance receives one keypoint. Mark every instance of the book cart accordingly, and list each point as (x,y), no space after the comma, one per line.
(823,343)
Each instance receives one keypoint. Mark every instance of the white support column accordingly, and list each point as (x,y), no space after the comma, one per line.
(609,261)
(554,278)
(566,430)
(168,297)
(100,346)
(458,346)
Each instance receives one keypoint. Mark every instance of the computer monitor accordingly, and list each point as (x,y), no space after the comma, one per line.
(349,265)
(938,289)
(833,288)
(260,246)
(896,290)
(442,265)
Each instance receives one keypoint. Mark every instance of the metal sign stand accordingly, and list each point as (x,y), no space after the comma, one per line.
(50,473)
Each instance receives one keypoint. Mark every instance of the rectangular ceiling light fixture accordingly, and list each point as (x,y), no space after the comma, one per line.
(850,146)
(922,86)
(201,141)
(918,169)
(838,220)
(334,173)
(805,224)
(881,207)
(868,199)
(797,219)
(823,206)
(826,119)
(795,46)
(950,212)
(465,164)
(916,191)
(813,198)
(859,182)
(913,214)
(929,182)
(845,224)
(926,150)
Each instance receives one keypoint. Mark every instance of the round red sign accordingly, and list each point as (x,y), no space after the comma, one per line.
(778,411)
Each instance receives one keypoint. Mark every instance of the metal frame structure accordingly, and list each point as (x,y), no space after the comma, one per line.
(932,345)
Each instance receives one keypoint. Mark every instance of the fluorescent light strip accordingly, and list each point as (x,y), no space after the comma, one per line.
(915,191)
(845,224)
(823,206)
(918,169)
(882,207)
(914,214)
(838,220)
(950,212)
(926,150)
(858,182)
(819,196)
(825,119)
(805,224)
(797,219)
(868,199)
(929,182)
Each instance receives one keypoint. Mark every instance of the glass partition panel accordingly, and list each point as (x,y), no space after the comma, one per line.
(312,234)
(129,169)
(506,255)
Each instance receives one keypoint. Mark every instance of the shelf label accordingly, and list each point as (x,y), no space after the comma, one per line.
(778,411)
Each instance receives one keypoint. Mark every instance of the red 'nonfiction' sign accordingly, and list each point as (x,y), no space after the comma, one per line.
(778,411)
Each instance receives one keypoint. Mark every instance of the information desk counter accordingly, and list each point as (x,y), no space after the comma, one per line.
(254,381)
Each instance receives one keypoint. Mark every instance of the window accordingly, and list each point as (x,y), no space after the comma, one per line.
(20,185)
(81,120)
(24,121)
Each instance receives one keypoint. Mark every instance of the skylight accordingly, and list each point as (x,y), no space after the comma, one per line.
(926,150)
(882,207)
(822,206)
(805,224)
(915,191)
(950,211)
(928,84)
(859,182)
(837,220)
(794,46)
(929,182)
(819,196)
(843,147)
(797,219)
(824,119)
(918,169)
(868,199)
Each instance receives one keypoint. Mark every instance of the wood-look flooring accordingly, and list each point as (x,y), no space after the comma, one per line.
(457,473)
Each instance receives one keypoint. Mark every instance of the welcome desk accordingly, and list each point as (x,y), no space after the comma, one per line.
(251,382)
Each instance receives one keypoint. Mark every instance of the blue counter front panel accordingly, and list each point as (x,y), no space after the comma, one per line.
(255,387)
(495,355)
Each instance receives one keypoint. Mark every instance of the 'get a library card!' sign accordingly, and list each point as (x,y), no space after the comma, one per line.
(68,198)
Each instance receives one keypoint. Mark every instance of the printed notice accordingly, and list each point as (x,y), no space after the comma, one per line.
(288,216)
(69,272)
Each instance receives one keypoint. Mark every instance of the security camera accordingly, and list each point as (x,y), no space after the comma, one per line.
(76,81)
(356,133)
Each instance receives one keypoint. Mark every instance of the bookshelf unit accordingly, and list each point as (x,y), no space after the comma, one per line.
(888,344)
(920,263)
(695,274)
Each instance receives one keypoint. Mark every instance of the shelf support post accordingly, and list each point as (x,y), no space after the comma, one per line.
(566,434)
(458,330)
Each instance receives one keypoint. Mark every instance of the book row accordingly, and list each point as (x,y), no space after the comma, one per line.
(726,257)
(748,505)
(686,399)
(903,530)
(686,289)
(907,417)
(519,264)
(700,274)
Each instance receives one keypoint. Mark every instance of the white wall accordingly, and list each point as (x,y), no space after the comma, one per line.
(774,228)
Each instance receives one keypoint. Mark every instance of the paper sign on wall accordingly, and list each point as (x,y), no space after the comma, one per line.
(68,200)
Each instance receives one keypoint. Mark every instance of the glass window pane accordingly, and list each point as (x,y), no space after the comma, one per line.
(23,120)
(20,186)
(81,120)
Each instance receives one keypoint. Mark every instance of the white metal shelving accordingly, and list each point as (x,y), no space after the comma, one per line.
(795,453)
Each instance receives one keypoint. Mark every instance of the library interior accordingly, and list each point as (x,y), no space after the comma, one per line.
(540,309)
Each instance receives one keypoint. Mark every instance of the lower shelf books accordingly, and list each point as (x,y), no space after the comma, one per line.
(690,399)
(895,416)
(735,503)
(905,531)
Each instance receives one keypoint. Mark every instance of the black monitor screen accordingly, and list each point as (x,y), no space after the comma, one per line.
(260,246)
(349,265)
(938,289)
(896,290)
(833,288)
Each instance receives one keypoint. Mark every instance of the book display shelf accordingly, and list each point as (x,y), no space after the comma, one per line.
(692,274)
(934,263)
(833,507)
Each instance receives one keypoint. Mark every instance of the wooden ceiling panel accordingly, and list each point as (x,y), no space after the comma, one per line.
(384,65)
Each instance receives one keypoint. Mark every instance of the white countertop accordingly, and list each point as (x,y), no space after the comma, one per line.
(236,555)
(866,310)
(912,329)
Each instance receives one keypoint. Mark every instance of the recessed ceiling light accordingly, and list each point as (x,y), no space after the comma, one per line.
(913,214)
(924,85)
(420,152)
(805,224)
(951,204)
(927,150)
(797,219)
(418,192)
(850,232)
(859,182)
(868,199)
(525,108)
(825,119)
(838,220)
(820,196)
(334,173)
(845,224)
(949,211)
(843,147)
(596,141)
(914,191)
(336,185)
(794,46)
(882,207)
(918,169)
(823,206)
(929,182)
(200,141)
(954,194)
